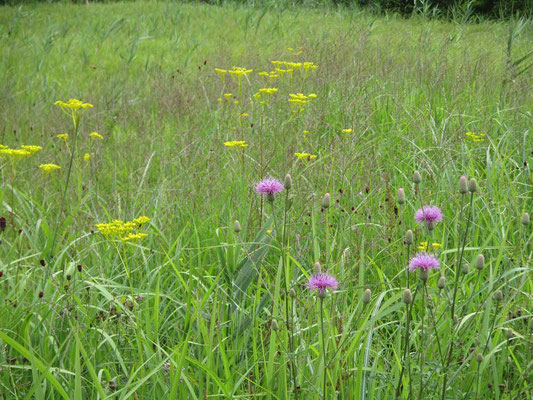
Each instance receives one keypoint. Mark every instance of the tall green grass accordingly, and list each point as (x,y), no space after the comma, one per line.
(187,312)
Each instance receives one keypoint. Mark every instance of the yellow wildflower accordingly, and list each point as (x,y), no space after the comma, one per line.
(305,156)
(115,228)
(86,157)
(227,96)
(63,136)
(243,115)
(236,143)
(14,153)
(347,131)
(31,149)
(424,246)
(73,105)
(3,146)
(96,135)
(49,168)
(269,91)
(221,73)
(269,231)
(141,220)
(132,237)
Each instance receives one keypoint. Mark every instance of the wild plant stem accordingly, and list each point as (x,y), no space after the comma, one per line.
(422,352)
(323,345)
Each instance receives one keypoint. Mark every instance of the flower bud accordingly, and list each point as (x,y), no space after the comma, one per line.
(274,325)
(401,196)
(463,185)
(498,295)
(80,267)
(317,269)
(479,357)
(287,182)
(270,197)
(464,269)
(409,237)
(237,226)
(367,295)
(525,219)
(326,201)
(292,293)
(509,334)
(480,262)
(417,178)
(441,282)
(407,297)
(472,185)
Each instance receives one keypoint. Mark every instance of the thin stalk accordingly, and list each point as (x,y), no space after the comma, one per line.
(323,345)
(422,352)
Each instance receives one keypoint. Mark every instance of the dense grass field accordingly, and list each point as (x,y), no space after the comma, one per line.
(193,305)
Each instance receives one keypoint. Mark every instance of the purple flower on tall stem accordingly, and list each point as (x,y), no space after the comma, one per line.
(269,187)
(423,261)
(321,282)
(429,215)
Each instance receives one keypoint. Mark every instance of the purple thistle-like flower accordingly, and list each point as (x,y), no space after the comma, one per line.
(269,187)
(429,215)
(321,282)
(423,261)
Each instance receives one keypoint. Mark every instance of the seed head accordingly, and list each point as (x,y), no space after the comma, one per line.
(367,295)
(479,357)
(401,196)
(407,297)
(480,262)
(525,219)
(292,293)
(463,185)
(417,178)
(236,226)
(472,185)
(498,295)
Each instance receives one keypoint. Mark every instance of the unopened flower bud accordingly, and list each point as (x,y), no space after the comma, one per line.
(509,333)
(401,196)
(287,182)
(479,357)
(441,282)
(237,226)
(274,325)
(407,297)
(498,295)
(292,293)
(463,185)
(472,185)
(409,237)
(317,269)
(417,178)
(270,197)
(464,269)
(367,295)
(525,219)
(480,262)
(326,200)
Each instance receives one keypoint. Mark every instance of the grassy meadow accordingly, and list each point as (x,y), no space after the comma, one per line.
(190,304)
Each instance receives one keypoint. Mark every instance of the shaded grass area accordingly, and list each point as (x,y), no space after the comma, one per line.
(187,312)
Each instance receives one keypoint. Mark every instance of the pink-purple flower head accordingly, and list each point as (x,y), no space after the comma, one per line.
(321,282)
(269,187)
(423,261)
(429,215)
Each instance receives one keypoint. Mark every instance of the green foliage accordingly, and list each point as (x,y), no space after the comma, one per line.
(187,312)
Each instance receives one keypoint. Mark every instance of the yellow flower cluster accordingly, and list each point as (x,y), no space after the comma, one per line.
(236,143)
(14,153)
(239,71)
(424,246)
(479,137)
(124,230)
(269,91)
(31,148)
(305,156)
(299,100)
(347,131)
(49,168)
(63,136)
(272,75)
(73,105)
(96,135)
(86,157)
(295,66)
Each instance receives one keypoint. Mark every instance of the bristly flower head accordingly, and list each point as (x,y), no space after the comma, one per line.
(430,215)
(423,261)
(321,282)
(269,187)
